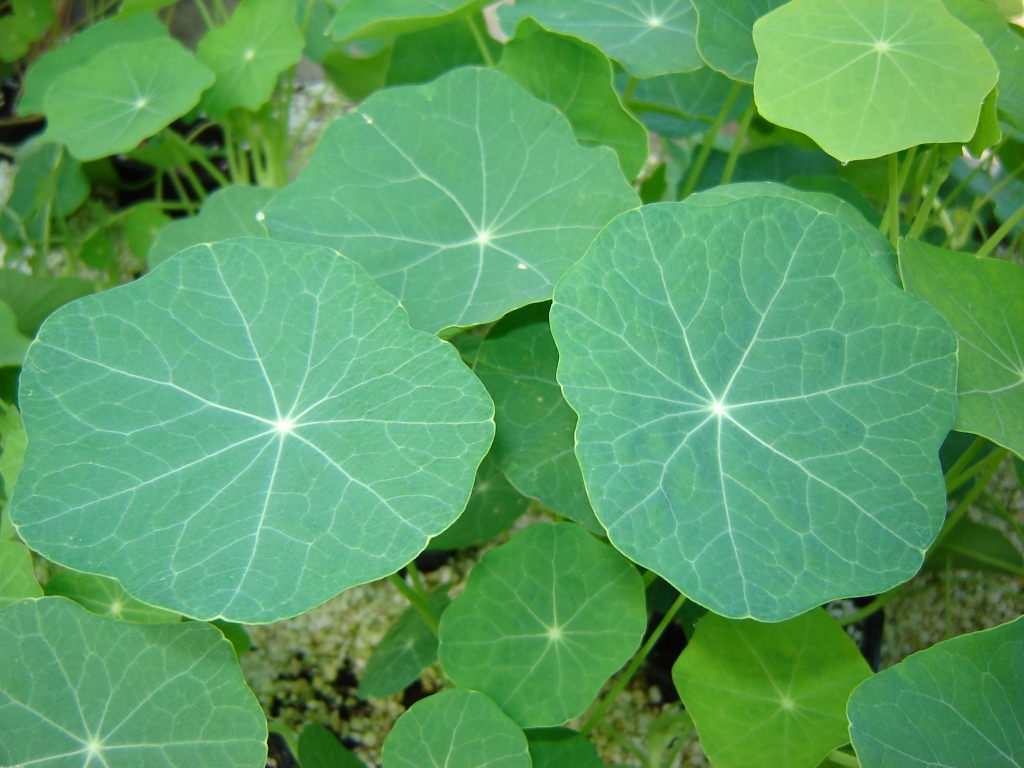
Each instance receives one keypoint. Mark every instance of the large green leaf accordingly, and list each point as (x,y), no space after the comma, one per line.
(259,42)
(684,104)
(725,34)
(981,300)
(245,432)
(455,728)
(769,694)
(34,298)
(648,37)
(465,197)
(543,622)
(959,703)
(561,748)
(381,18)
(576,78)
(78,689)
(760,407)
(16,579)
(12,344)
(871,77)
(105,597)
(534,442)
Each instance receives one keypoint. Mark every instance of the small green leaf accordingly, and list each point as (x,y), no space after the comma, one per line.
(455,728)
(12,344)
(48,183)
(12,45)
(543,622)
(255,422)
(16,579)
(142,224)
(981,300)
(105,597)
(122,96)
(234,211)
(741,432)
(357,19)
(534,441)
(493,506)
(870,78)
(13,442)
(259,42)
(648,37)
(725,34)
(685,104)
(234,634)
(769,694)
(33,18)
(418,57)
(960,703)
(465,198)
(561,748)
(80,689)
(319,748)
(98,251)
(408,648)
(34,298)
(976,547)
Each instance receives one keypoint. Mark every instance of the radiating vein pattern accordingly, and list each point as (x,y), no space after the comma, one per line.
(465,198)
(245,432)
(760,408)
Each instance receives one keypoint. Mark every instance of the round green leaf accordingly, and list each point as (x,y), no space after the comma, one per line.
(80,689)
(455,728)
(17,581)
(685,104)
(122,96)
(243,433)
(357,19)
(959,703)
(981,300)
(725,37)
(561,748)
(105,597)
(769,694)
(534,441)
(867,78)
(543,622)
(760,408)
(465,197)
(648,37)
(259,42)
(142,224)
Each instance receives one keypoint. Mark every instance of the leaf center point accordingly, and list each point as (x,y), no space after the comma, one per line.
(555,634)
(654,22)
(883,46)
(719,409)
(284,426)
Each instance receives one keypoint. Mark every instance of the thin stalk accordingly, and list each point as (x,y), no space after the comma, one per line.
(842,758)
(205,13)
(182,194)
(630,87)
(996,457)
(965,503)
(313,110)
(980,203)
(634,665)
(189,152)
(891,219)
(924,211)
(737,145)
(965,459)
(1000,233)
(923,172)
(709,141)
(414,577)
(623,742)
(997,508)
(417,602)
(481,43)
(873,607)
(649,578)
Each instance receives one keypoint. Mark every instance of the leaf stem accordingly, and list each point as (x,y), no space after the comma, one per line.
(1000,233)
(481,43)
(737,144)
(417,602)
(709,141)
(991,463)
(874,606)
(891,219)
(842,758)
(982,465)
(938,175)
(649,578)
(965,458)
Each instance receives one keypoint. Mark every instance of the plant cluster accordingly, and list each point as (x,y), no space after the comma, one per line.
(726,368)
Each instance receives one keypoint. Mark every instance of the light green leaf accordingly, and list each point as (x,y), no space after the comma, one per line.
(408,647)
(105,597)
(12,45)
(16,579)
(13,442)
(142,224)
(33,18)
(122,96)
(49,183)
(135,7)
(418,57)
(80,689)
(561,748)
(493,506)
(382,18)
(981,300)
(988,132)
(98,251)
(868,78)
(34,298)
(234,211)
(960,703)
(769,694)
(543,622)
(465,197)
(648,37)
(12,344)
(1006,8)
(259,42)
(243,433)
(976,547)
(319,748)
(681,105)
(724,34)
(534,442)
(80,50)
(455,728)
(576,78)
(741,432)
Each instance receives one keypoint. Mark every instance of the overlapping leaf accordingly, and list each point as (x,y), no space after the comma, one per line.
(245,432)
(358,19)
(105,597)
(684,104)
(725,34)
(16,579)
(48,183)
(319,748)
(34,298)
(12,344)
(424,55)
(560,748)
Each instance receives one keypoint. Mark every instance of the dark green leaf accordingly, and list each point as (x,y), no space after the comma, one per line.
(34,298)
(725,37)
(49,183)
(358,19)
(418,57)
(976,547)
(12,344)
(685,104)
(142,224)
(236,635)
(98,251)
(105,597)
(319,748)
(561,748)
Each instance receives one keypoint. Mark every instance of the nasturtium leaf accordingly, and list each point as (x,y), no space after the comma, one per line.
(78,689)
(358,70)
(534,442)
(48,183)
(243,433)
(760,407)
(981,300)
(871,77)
(543,622)
(577,78)
(234,211)
(418,57)
(1008,9)
(493,506)
(81,49)
(105,597)
(977,547)
(848,192)
(724,34)
(122,96)
(259,42)
(465,197)
(988,132)
(381,18)
(33,18)
(685,104)
(141,224)
(16,579)
(12,344)
(769,694)
(12,45)
(561,748)
(98,251)
(958,703)
(319,748)
(234,634)
(12,452)
(134,7)
(407,648)
(648,37)
(34,298)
